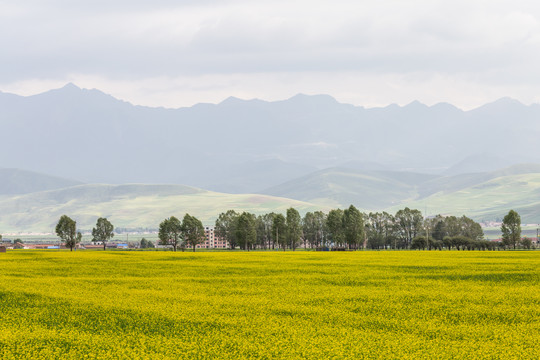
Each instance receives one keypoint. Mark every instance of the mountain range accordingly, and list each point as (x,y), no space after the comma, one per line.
(138,164)
(247,145)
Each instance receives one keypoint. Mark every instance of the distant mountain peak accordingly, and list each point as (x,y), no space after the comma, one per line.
(319,97)
(231,100)
(70,86)
(415,105)
(502,103)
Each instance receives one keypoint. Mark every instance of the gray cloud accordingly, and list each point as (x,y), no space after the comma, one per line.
(492,43)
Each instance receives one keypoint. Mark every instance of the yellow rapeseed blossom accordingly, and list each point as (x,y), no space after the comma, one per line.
(270,305)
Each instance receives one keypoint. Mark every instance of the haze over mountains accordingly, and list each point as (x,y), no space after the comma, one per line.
(307,151)
(89,136)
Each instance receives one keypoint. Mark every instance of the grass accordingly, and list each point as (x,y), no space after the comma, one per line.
(483,197)
(130,206)
(304,305)
(490,200)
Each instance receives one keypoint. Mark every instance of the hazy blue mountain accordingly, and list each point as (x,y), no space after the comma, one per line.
(15,181)
(93,137)
(478,163)
(247,177)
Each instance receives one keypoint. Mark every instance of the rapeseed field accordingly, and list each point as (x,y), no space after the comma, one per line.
(270,305)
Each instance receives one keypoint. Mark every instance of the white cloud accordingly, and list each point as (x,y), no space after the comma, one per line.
(175,53)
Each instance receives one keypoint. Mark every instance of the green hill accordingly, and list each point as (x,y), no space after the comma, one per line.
(340,187)
(484,196)
(129,206)
(487,200)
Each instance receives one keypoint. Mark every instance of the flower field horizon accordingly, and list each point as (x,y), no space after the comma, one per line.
(270,305)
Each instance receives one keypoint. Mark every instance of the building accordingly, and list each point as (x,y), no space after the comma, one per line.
(212,241)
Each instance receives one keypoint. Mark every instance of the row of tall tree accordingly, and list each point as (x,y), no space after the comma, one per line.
(348,228)
(66,230)
(176,233)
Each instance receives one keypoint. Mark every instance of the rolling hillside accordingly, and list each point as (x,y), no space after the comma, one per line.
(339,187)
(129,206)
(483,196)
(487,200)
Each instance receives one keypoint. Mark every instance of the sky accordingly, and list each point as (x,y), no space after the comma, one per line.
(179,53)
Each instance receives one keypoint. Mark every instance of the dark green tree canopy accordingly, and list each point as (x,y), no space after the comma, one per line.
(353,227)
(103,232)
(408,224)
(192,231)
(334,225)
(264,230)
(146,244)
(511,229)
(170,232)
(279,230)
(294,227)
(225,227)
(66,230)
(246,230)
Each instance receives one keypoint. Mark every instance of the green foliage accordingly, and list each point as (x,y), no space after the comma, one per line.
(334,225)
(526,243)
(146,244)
(511,229)
(264,230)
(408,224)
(103,232)
(279,230)
(143,244)
(66,230)
(294,228)
(225,227)
(246,230)
(453,226)
(192,231)
(381,230)
(170,233)
(353,227)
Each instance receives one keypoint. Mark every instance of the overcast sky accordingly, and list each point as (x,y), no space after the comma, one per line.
(177,53)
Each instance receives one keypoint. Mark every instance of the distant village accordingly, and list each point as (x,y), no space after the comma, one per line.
(212,241)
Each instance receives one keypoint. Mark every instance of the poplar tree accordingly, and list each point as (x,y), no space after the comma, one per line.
(103,232)
(192,231)
(246,230)
(66,230)
(353,227)
(511,229)
(294,227)
(170,232)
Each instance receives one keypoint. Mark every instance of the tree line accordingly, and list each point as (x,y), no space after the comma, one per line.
(345,229)
(338,229)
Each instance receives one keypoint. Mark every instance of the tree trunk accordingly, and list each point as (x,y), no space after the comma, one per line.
(104,245)
(194,247)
